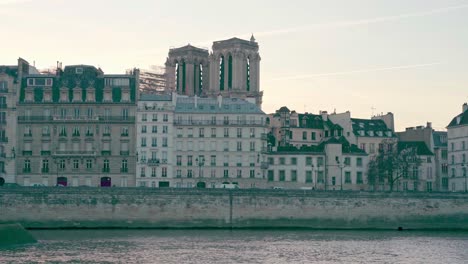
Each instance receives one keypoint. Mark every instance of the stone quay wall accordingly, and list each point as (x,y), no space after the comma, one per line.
(55,207)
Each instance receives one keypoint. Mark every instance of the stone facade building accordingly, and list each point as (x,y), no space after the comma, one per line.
(77,128)
(10,81)
(155,140)
(457,132)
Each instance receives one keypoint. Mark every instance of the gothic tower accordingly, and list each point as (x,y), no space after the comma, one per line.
(235,69)
(187,70)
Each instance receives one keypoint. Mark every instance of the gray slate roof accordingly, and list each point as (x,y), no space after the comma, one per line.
(210,105)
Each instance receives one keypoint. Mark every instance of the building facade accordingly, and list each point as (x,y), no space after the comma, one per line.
(77,128)
(457,132)
(155,140)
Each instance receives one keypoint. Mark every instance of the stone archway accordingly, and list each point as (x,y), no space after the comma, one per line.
(106,182)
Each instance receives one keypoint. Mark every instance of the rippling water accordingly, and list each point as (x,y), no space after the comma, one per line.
(246,246)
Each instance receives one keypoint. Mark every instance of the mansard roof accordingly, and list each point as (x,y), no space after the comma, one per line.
(212,105)
(155,97)
(459,120)
(440,138)
(420,146)
(370,125)
(235,41)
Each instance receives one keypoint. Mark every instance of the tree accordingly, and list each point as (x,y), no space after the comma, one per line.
(392,163)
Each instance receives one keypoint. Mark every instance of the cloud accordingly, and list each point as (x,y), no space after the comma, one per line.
(400,67)
(348,23)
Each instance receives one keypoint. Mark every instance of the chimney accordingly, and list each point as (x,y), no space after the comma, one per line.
(324,115)
(220,100)
(429,125)
(465,107)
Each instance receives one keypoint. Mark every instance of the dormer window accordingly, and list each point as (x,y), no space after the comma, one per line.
(371,133)
(107,94)
(64,94)
(79,70)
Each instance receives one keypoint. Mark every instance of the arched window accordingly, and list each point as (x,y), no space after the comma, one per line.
(200,79)
(183,77)
(221,73)
(230,72)
(248,74)
(177,77)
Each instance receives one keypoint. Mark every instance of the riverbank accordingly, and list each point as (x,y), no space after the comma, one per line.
(57,208)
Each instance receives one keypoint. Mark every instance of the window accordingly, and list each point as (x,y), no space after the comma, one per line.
(293,161)
(304,135)
(252,132)
(164,172)
(308,161)
(312,135)
(190,132)
(363,146)
(179,160)
(153,172)
(320,161)
(165,117)
(178,173)
(371,148)
(359,177)
(189,160)
(143,142)
(189,174)
(106,166)
(359,162)
(142,172)
(271,161)
(252,174)
(155,117)
(252,146)
(294,175)
(347,161)
(154,130)
(271,175)
(62,164)
(76,164)
(347,177)
(226,132)
(143,129)
(125,114)
(282,161)
(144,117)
(213,160)
(124,167)
(165,130)
(239,146)
(239,173)
(45,166)
(154,142)
(320,178)
(282,175)
(239,132)
(213,132)
(226,173)
(164,144)
(124,131)
(89,164)
(201,132)
(308,177)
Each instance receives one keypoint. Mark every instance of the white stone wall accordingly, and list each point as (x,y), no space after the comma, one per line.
(458,158)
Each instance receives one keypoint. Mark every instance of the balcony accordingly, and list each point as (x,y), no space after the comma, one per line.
(3,106)
(4,140)
(75,134)
(45,134)
(153,162)
(45,152)
(117,118)
(89,134)
(79,153)
(27,152)
(124,153)
(106,134)
(4,90)
(75,118)
(124,135)
(27,170)
(27,134)
(45,170)
(106,170)
(105,152)
(25,119)
(124,170)
(61,134)
(218,123)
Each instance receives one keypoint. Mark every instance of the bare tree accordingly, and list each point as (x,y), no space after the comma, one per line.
(392,163)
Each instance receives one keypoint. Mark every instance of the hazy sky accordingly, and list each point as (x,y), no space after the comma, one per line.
(409,57)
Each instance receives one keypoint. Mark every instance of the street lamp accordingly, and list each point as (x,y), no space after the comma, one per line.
(341,166)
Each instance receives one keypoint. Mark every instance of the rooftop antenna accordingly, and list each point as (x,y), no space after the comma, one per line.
(373,108)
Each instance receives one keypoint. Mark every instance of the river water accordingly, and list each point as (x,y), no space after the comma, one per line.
(240,246)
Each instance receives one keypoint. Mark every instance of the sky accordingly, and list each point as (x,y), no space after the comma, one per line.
(408,57)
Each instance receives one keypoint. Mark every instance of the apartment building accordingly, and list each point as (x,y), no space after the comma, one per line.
(457,132)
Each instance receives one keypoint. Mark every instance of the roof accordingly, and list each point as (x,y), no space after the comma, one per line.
(421,147)
(459,120)
(440,138)
(368,125)
(211,105)
(346,147)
